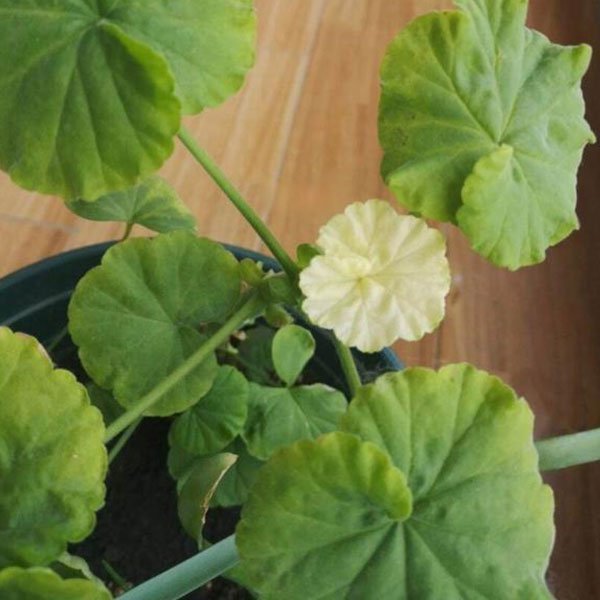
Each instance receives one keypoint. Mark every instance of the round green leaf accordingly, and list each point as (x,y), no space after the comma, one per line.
(451,112)
(153,204)
(481,525)
(84,108)
(216,419)
(233,489)
(278,417)
(137,317)
(52,457)
(293,347)
(323,521)
(209,44)
(44,584)
(196,493)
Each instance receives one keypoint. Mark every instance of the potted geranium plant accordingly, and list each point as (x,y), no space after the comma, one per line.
(427,484)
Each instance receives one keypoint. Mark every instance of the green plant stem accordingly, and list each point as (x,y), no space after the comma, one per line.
(188,575)
(120,443)
(116,577)
(250,308)
(348,366)
(127,232)
(288,265)
(569,450)
(62,334)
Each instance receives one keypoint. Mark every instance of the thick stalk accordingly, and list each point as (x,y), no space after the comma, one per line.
(249,309)
(188,575)
(569,450)
(288,265)
(348,366)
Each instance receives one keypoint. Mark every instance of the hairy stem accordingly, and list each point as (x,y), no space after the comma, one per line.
(250,308)
(348,366)
(188,575)
(288,265)
(569,450)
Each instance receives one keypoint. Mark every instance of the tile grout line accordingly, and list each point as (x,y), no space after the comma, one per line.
(70,229)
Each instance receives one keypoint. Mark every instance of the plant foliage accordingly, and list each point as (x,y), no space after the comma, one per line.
(432,492)
(52,457)
(152,203)
(482,124)
(44,584)
(91,93)
(137,317)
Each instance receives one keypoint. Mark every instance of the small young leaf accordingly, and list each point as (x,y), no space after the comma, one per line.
(278,289)
(251,272)
(137,317)
(293,347)
(44,584)
(305,253)
(52,456)
(196,493)
(216,419)
(85,109)
(152,203)
(277,316)
(278,417)
(473,95)
(481,524)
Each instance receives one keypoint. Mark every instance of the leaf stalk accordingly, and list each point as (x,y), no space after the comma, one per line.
(348,366)
(250,308)
(120,443)
(209,165)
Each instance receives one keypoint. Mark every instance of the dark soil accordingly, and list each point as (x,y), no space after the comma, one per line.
(138,531)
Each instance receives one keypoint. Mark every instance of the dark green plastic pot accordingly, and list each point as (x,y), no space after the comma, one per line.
(34,300)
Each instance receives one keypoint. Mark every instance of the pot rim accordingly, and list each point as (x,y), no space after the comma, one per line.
(85,253)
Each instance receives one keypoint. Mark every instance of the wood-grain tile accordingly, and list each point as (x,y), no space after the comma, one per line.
(300,140)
